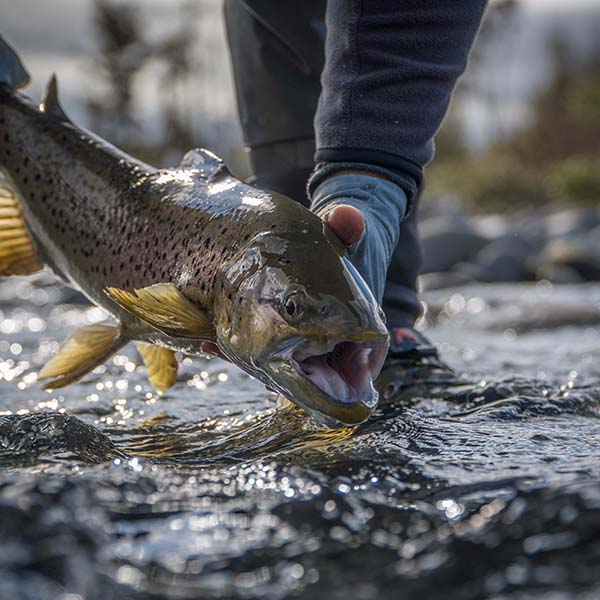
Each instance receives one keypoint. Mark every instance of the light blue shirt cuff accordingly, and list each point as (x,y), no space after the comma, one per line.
(383,206)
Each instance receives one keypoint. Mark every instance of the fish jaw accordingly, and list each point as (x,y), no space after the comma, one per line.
(333,380)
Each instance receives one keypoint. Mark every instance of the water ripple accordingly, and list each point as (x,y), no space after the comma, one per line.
(482,489)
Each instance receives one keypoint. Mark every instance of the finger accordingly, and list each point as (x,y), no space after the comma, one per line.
(347,222)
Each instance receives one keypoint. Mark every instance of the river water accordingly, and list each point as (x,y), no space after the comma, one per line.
(487,488)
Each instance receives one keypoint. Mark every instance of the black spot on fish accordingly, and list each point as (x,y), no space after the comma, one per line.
(6,137)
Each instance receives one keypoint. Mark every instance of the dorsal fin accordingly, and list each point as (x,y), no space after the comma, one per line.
(51,104)
(206,162)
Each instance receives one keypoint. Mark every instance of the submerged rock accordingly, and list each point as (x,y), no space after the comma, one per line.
(53,538)
(26,437)
(578,255)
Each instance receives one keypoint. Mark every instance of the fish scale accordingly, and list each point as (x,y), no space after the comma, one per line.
(180,257)
(59,211)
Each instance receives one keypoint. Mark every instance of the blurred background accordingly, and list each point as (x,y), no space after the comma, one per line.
(516,180)
(487,489)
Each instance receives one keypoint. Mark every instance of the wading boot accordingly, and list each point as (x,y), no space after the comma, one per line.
(412,366)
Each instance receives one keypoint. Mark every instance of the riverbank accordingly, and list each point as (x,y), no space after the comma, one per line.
(556,244)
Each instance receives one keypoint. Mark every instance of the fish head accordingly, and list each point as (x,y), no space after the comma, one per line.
(302,320)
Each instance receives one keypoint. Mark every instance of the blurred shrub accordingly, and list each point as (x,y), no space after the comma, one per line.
(555,157)
(565,119)
(491,182)
(575,181)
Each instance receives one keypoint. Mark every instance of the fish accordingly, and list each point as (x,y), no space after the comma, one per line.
(181,256)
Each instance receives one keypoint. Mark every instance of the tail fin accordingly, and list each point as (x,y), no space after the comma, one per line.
(12,72)
(17,251)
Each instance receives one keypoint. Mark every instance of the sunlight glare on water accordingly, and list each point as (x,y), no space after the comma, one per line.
(217,489)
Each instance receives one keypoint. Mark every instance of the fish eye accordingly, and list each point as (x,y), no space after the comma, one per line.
(291,306)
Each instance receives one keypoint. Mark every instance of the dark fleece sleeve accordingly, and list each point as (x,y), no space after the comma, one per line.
(390,68)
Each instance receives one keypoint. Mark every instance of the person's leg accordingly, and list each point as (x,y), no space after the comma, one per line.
(400,299)
(277,57)
(277,54)
(387,82)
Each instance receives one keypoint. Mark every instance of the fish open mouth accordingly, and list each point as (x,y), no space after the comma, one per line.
(344,372)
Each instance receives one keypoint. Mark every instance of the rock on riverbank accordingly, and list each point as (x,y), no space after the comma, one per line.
(561,246)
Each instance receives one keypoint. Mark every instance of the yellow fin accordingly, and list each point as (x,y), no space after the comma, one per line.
(83,351)
(17,253)
(166,308)
(161,365)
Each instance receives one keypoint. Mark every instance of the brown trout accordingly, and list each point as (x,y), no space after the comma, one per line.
(181,256)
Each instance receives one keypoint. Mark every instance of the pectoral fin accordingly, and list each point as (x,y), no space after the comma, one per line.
(161,365)
(164,307)
(17,253)
(82,352)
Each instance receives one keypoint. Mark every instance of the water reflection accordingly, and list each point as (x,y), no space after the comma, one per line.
(490,487)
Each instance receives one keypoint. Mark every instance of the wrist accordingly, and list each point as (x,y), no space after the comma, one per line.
(383,206)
